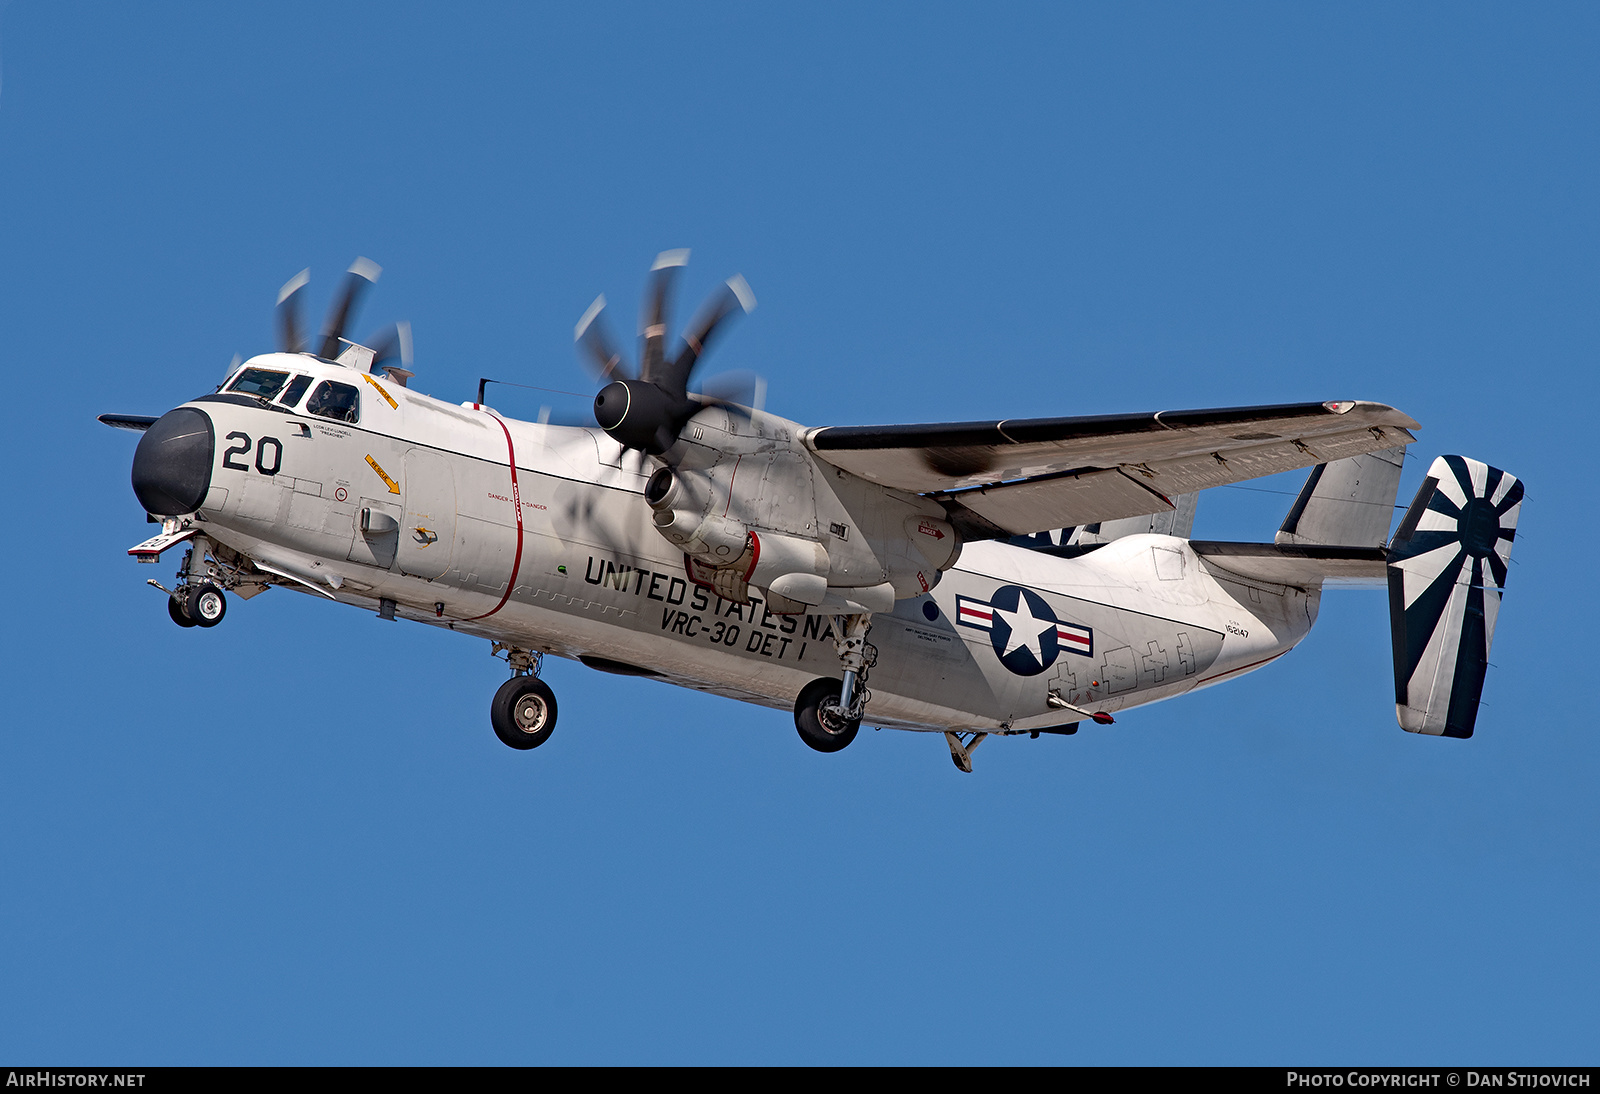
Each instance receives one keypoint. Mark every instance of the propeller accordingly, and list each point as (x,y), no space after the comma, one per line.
(393,344)
(363,273)
(736,391)
(291,331)
(647,411)
(289,328)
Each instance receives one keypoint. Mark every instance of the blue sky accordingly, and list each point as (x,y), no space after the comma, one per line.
(294,838)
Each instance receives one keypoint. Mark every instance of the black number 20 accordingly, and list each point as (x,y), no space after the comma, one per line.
(237,450)
(261,455)
(243,445)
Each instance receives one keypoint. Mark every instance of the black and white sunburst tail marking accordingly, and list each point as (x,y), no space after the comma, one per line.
(1447,568)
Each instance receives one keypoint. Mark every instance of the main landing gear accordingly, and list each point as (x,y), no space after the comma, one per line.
(828,712)
(817,717)
(523,712)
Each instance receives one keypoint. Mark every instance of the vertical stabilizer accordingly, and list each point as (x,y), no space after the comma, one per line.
(1346,503)
(1447,568)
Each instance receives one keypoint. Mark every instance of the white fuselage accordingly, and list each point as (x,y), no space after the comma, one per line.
(538,536)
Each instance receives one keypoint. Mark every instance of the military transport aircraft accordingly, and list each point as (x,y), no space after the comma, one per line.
(1000,577)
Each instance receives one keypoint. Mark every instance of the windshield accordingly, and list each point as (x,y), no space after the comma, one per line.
(259,382)
(291,395)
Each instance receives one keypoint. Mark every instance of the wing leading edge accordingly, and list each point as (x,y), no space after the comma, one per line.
(1017,476)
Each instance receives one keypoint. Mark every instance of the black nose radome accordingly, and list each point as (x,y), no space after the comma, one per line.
(172,465)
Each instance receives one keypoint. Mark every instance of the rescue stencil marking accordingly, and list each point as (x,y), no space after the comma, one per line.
(394,487)
(386,396)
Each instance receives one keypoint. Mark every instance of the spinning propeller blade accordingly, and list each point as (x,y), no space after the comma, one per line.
(392,343)
(594,342)
(391,351)
(361,275)
(653,319)
(290,339)
(737,392)
(732,298)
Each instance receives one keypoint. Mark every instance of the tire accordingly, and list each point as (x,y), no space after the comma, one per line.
(814,731)
(179,615)
(206,605)
(523,712)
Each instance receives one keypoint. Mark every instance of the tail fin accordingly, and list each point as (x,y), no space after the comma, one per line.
(1447,568)
(1346,503)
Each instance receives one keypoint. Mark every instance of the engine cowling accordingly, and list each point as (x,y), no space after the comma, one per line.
(749,506)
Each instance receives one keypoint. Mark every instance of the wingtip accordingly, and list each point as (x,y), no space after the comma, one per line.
(365,267)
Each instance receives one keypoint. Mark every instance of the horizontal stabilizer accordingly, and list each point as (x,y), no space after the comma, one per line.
(1447,568)
(136,422)
(1292,563)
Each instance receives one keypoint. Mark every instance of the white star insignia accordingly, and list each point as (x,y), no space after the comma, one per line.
(1026,629)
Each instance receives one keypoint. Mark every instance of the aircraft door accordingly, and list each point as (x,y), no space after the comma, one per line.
(428,532)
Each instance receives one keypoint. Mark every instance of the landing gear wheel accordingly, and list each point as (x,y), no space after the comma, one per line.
(179,616)
(825,733)
(206,604)
(523,712)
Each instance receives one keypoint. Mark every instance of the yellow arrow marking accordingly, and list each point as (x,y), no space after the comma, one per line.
(386,398)
(394,487)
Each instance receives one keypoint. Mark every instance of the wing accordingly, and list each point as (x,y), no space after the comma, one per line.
(1025,475)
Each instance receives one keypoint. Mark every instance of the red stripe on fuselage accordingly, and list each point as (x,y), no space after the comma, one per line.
(516,501)
(1241,668)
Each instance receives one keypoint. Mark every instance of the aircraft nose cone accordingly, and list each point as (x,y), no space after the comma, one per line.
(172,465)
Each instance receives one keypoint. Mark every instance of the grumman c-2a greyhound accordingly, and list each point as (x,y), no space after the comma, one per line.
(1003,577)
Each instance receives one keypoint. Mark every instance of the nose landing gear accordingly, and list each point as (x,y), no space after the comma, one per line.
(523,712)
(205,604)
(198,600)
(178,611)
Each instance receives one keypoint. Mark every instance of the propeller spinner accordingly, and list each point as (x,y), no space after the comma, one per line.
(647,411)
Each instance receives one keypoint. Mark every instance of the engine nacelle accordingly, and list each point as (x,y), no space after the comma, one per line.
(682,512)
(792,570)
(750,505)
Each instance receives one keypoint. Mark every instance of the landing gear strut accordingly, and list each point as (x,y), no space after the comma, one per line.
(828,712)
(856,657)
(523,712)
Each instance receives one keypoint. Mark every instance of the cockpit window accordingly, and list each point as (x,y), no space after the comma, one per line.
(331,400)
(297,387)
(259,382)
